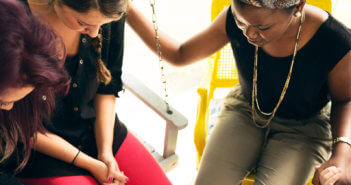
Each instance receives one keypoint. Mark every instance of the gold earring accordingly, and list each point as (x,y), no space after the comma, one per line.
(298,14)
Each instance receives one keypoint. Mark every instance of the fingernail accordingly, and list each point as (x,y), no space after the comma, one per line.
(109,179)
(127,179)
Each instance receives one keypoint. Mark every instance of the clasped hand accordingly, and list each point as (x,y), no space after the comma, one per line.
(336,171)
(107,171)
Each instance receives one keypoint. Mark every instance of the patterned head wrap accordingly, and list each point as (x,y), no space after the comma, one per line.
(272,4)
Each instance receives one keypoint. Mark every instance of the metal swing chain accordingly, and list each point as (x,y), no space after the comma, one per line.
(160,61)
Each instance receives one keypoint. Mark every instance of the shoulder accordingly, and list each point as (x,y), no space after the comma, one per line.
(119,24)
(314,19)
(315,15)
(114,31)
(325,27)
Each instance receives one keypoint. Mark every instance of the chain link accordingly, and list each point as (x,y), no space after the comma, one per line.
(160,60)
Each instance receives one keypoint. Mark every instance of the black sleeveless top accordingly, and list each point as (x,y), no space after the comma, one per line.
(308,90)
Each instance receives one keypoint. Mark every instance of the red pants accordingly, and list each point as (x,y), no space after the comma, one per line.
(133,159)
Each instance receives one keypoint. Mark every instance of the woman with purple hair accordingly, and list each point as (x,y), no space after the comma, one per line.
(31,73)
(86,143)
(293,59)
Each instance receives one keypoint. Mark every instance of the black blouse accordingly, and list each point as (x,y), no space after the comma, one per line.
(308,91)
(7,170)
(74,115)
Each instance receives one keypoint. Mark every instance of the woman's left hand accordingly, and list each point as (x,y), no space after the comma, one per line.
(112,165)
(342,162)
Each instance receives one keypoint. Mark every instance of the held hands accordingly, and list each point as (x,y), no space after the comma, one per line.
(337,170)
(114,175)
(99,170)
(329,175)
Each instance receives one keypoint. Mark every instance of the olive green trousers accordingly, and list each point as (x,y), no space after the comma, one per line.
(284,153)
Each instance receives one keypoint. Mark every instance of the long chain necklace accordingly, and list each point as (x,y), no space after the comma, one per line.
(160,60)
(254,82)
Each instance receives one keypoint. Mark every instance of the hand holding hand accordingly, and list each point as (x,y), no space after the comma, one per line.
(329,175)
(338,167)
(101,173)
(114,175)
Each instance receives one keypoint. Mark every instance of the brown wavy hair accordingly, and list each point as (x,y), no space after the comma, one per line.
(110,8)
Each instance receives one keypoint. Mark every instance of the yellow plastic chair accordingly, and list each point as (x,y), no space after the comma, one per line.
(222,74)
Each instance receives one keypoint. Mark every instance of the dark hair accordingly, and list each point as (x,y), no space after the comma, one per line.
(110,8)
(286,10)
(29,56)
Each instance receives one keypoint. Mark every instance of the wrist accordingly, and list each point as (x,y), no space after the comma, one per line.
(104,152)
(342,139)
(75,157)
(341,149)
(86,162)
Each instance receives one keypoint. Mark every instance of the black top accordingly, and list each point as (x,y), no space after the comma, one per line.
(74,116)
(308,91)
(7,169)
(8,179)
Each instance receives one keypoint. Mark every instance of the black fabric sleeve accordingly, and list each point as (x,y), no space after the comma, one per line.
(8,179)
(336,42)
(230,25)
(113,56)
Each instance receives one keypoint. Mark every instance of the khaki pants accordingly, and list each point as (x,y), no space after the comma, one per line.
(283,154)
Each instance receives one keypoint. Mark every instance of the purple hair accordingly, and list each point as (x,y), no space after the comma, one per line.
(29,56)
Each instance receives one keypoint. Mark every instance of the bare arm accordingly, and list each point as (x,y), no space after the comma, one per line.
(105,122)
(340,87)
(339,82)
(196,48)
(104,128)
(56,147)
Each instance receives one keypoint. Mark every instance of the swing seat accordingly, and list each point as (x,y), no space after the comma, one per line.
(174,122)
(223,74)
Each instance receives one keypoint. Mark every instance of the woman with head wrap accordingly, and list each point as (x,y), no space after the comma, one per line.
(292,59)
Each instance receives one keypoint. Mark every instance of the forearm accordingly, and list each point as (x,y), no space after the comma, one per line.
(341,126)
(105,122)
(56,147)
(104,136)
(199,46)
(144,29)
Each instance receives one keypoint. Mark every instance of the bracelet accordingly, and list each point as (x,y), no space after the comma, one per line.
(74,159)
(342,139)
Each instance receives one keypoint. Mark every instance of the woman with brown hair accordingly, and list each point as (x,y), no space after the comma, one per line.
(85,125)
(292,60)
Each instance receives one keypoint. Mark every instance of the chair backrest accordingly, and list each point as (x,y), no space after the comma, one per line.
(322,4)
(224,73)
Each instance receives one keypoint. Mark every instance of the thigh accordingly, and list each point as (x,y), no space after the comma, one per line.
(289,159)
(63,180)
(138,164)
(231,151)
